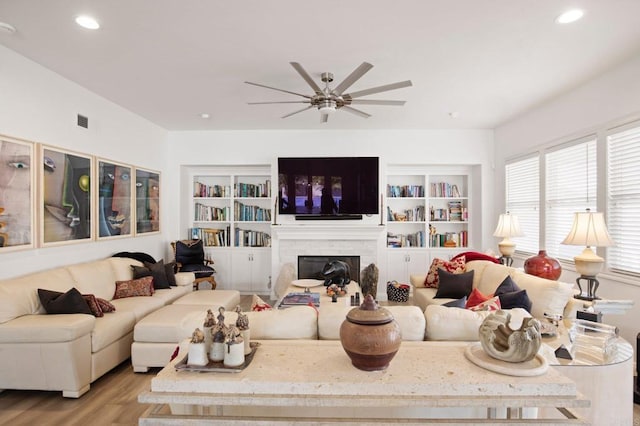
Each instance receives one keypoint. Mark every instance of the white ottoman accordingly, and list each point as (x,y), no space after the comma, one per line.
(211,299)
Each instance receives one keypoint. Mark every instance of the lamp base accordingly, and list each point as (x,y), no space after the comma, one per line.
(592,286)
(506,260)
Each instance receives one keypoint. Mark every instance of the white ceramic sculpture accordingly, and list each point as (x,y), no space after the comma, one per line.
(502,342)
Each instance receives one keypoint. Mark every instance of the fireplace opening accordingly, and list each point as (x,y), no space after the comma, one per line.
(311,266)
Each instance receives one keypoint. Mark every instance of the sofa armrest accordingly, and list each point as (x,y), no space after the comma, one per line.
(185,278)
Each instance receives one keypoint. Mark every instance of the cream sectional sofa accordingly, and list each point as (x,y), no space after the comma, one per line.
(68,352)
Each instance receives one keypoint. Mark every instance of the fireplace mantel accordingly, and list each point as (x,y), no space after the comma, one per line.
(327,232)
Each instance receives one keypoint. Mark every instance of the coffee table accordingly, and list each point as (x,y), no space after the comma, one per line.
(313,381)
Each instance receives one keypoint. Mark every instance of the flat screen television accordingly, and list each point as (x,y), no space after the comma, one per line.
(328,186)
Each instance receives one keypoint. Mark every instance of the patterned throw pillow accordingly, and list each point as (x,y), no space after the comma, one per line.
(257,304)
(139,287)
(105,305)
(92,301)
(491,305)
(454,266)
(475,298)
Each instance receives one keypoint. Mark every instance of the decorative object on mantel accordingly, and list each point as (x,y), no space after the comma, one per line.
(502,342)
(543,266)
(508,226)
(243,325)
(336,272)
(334,290)
(369,280)
(370,336)
(197,349)
(219,334)
(590,230)
(234,353)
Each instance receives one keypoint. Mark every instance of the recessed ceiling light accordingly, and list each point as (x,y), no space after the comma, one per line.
(454,114)
(570,16)
(87,22)
(205,115)
(7,28)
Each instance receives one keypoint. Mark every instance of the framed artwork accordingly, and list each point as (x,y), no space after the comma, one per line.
(17,194)
(66,211)
(115,198)
(147,194)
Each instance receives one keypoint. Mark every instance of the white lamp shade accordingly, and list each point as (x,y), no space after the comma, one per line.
(508,226)
(588,229)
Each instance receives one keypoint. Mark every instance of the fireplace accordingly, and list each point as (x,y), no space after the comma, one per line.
(311,266)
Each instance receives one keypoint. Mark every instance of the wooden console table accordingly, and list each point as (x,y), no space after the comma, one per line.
(313,382)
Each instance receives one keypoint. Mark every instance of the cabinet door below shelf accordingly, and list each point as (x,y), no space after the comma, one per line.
(403,263)
(251,270)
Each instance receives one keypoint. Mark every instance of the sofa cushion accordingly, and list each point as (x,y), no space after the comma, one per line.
(455,267)
(140,306)
(110,328)
(296,322)
(171,294)
(454,286)
(475,298)
(159,273)
(95,278)
(121,267)
(170,324)
(70,302)
(547,296)
(38,328)
(134,288)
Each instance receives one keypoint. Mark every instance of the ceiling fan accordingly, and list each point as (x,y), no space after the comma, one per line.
(329,100)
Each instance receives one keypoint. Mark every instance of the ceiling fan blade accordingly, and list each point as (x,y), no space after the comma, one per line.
(356,111)
(279,90)
(374,102)
(304,74)
(324,118)
(386,87)
(295,112)
(279,102)
(352,78)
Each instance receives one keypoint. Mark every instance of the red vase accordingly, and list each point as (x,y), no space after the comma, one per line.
(543,266)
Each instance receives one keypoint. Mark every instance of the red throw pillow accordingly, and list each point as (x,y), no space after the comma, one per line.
(92,301)
(132,288)
(493,304)
(475,298)
(453,266)
(474,255)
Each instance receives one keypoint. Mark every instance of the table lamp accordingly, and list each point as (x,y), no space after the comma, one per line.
(588,230)
(508,226)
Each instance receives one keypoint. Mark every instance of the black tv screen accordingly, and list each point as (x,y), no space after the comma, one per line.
(328,185)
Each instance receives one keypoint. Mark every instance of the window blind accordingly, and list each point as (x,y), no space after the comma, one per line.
(623,201)
(571,186)
(522,181)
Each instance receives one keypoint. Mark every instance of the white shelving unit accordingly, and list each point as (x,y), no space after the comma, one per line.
(230,209)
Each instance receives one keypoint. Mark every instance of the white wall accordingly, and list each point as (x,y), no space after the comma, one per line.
(605,102)
(392,146)
(41,106)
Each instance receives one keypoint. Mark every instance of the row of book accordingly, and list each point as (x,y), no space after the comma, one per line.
(405,191)
(444,189)
(212,237)
(449,239)
(451,214)
(204,213)
(416,239)
(244,213)
(416,214)
(203,190)
(253,190)
(248,238)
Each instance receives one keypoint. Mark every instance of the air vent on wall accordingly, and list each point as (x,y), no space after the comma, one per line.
(83,121)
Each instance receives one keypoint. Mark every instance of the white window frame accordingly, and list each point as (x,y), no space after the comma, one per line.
(514,204)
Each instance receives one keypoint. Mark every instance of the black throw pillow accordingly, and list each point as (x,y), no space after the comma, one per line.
(140,272)
(169,270)
(458,303)
(506,286)
(454,286)
(515,299)
(159,274)
(71,302)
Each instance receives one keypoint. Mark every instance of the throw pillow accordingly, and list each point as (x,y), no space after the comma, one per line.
(475,298)
(459,303)
(92,301)
(159,274)
(257,304)
(71,302)
(454,286)
(105,305)
(515,299)
(131,288)
(506,286)
(474,255)
(454,266)
(170,272)
(140,272)
(492,304)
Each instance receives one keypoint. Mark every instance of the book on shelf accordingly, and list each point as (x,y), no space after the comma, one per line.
(211,237)
(444,190)
(253,190)
(416,239)
(249,238)
(394,191)
(210,191)
(205,213)
(247,213)
(301,299)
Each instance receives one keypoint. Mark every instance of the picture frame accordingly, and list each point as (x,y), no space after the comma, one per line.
(66,197)
(114,192)
(147,207)
(17,194)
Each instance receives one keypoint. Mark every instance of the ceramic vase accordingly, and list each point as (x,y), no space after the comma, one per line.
(234,354)
(217,351)
(543,266)
(197,354)
(246,336)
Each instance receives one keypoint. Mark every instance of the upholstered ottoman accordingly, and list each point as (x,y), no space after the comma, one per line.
(156,336)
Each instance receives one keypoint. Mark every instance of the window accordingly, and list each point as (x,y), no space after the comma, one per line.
(623,200)
(571,186)
(522,181)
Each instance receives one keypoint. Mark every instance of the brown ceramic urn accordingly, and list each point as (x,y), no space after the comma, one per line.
(370,336)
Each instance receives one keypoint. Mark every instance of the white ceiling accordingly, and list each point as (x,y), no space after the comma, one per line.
(170,60)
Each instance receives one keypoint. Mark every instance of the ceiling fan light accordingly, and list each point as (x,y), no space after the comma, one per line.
(327,107)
